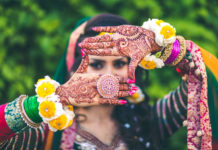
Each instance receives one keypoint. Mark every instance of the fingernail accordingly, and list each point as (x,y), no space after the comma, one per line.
(123,102)
(134,88)
(82,52)
(79,44)
(132,92)
(130,81)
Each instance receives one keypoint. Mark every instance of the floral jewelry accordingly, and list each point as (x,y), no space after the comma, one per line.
(137,97)
(151,62)
(164,33)
(108,86)
(174,53)
(50,109)
(174,48)
(24,113)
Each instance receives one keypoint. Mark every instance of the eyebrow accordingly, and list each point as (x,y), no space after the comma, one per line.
(120,59)
(97,60)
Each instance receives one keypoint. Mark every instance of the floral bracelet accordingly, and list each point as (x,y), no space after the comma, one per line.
(57,116)
(174,48)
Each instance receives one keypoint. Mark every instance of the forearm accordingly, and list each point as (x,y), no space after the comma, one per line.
(170,111)
(17,115)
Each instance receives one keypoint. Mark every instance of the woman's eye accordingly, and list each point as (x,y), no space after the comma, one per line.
(119,64)
(97,66)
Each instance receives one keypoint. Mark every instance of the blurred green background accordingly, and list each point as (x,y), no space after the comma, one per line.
(33,36)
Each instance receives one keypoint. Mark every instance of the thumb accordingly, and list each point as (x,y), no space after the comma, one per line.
(132,67)
(84,64)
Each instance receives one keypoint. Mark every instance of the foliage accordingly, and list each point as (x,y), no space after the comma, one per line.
(33,35)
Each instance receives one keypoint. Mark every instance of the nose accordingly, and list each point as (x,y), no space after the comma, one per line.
(109,70)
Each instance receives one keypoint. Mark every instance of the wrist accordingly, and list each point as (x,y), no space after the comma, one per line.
(51,110)
(31,108)
(174,52)
(27,112)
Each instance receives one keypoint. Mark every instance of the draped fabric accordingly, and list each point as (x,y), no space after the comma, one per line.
(200,99)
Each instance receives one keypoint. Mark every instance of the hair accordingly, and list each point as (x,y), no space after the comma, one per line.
(134,120)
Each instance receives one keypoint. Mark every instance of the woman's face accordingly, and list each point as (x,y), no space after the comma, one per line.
(115,65)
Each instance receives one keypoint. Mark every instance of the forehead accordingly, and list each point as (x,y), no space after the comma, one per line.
(106,58)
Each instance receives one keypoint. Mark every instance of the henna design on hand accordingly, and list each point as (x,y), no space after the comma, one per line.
(84,64)
(127,40)
(81,90)
(109,101)
(77,90)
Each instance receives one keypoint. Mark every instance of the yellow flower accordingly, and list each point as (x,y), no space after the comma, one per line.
(70,107)
(40,80)
(158,22)
(135,96)
(45,89)
(70,123)
(59,123)
(103,33)
(47,109)
(148,64)
(167,31)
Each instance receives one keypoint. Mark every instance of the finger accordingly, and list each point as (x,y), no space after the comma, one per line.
(111,101)
(103,52)
(97,45)
(132,67)
(124,94)
(96,39)
(122,79)
(111,29)
(84,102)
(125,87)
(84,64)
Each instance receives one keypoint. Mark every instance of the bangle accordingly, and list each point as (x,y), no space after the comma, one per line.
(174,52)
(23,113)
(31,108)
(50,109)
(166,52)
(182,51)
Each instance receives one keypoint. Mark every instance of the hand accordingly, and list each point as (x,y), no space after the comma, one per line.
(127,40)
(81,90)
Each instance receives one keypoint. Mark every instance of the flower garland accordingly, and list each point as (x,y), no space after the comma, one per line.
(165,34)
(50,109)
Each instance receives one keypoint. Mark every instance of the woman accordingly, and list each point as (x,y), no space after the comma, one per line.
(132,126)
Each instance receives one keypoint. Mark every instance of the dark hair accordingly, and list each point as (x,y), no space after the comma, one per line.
(134,120)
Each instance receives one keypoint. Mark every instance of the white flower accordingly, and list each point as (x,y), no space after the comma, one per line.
(58,111)
(151,62)
(49,80)
(137,97)
(159,63)
(53,97)
(156,25)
